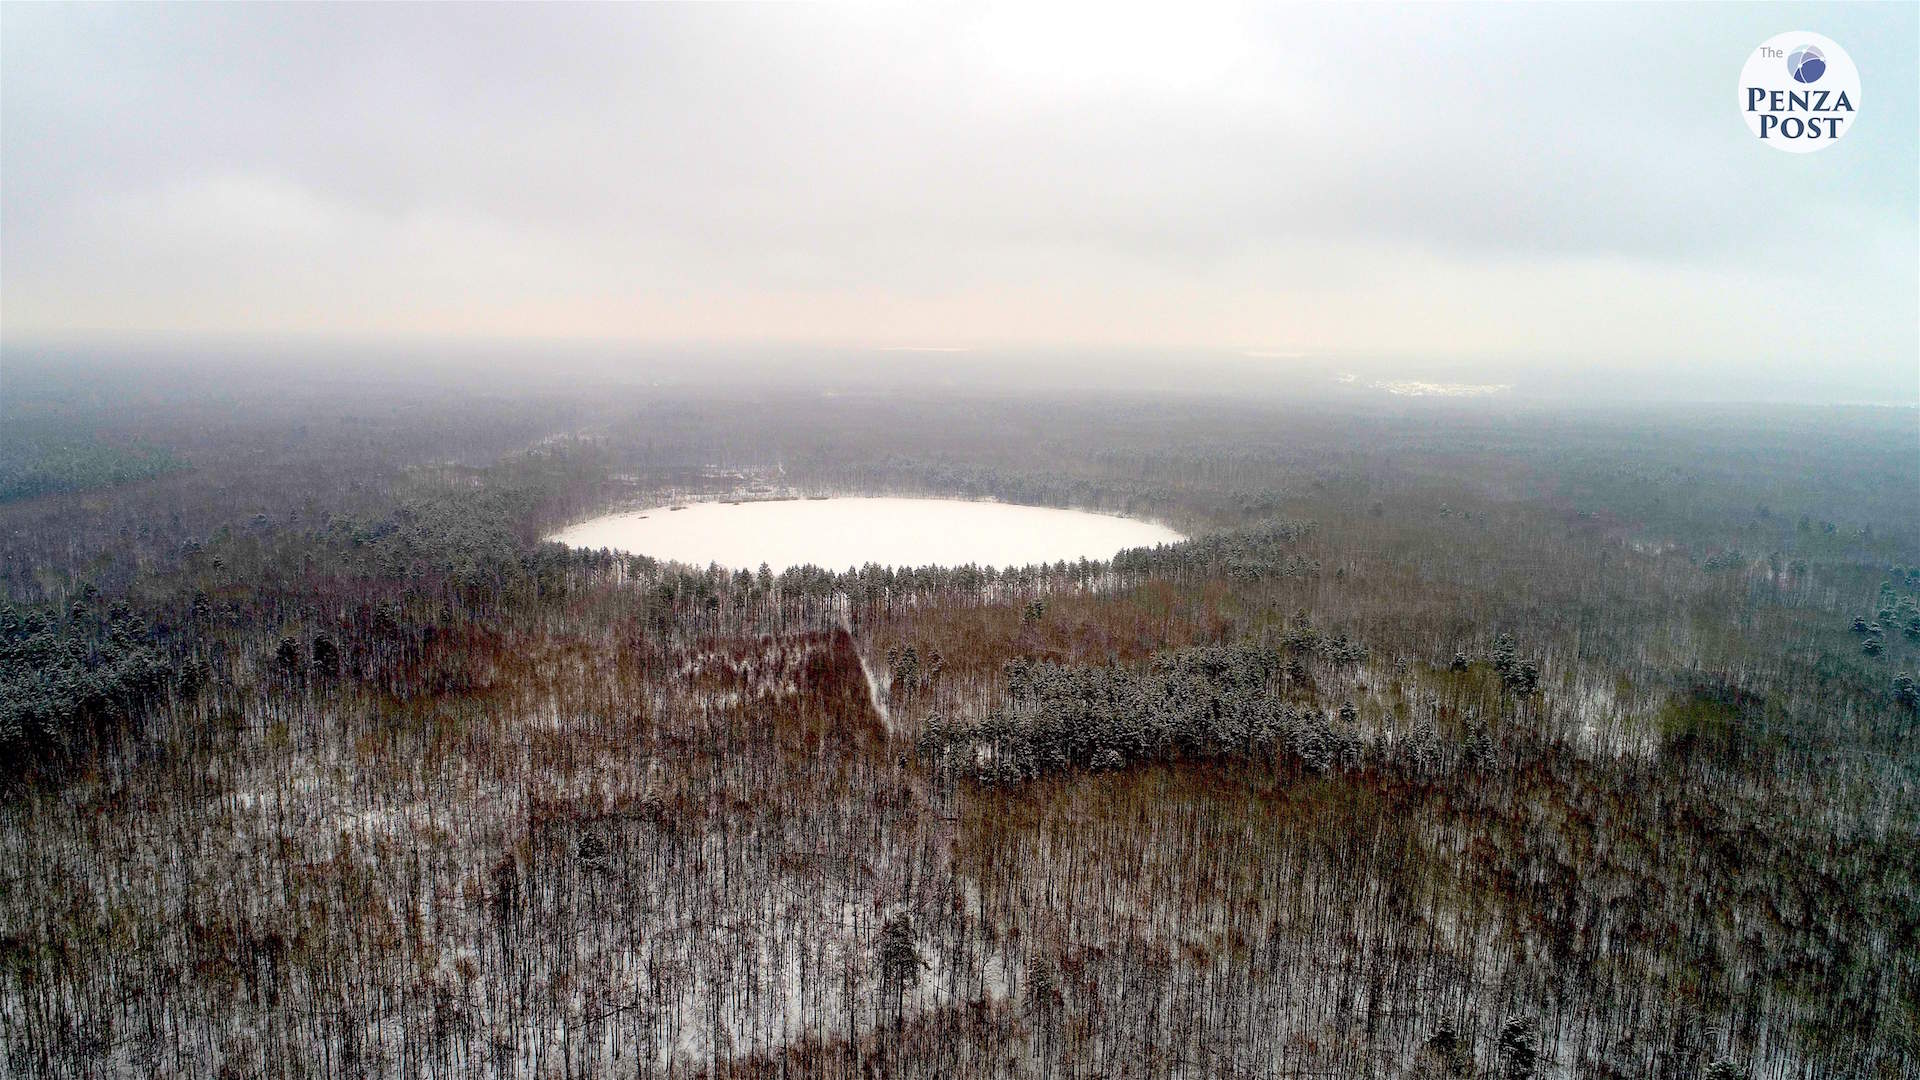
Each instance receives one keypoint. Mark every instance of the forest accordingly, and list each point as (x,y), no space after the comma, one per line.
(1489,739)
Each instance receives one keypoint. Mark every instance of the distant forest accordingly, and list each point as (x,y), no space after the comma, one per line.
(1463,739)
(55,464)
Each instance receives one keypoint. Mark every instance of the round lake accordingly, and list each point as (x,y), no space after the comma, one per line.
(838,533)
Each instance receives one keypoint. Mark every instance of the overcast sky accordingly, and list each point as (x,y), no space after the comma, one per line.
(1552,182)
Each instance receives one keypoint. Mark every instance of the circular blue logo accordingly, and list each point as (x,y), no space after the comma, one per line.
(1807,64)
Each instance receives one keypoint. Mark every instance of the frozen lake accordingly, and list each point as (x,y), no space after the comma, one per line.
(838,533)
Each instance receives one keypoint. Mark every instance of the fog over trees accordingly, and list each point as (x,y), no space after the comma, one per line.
(461,614)
(1459,741)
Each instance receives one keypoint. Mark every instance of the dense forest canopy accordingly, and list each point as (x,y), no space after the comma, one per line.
(1492,738)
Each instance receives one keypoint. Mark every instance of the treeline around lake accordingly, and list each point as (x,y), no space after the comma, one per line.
(1573,753)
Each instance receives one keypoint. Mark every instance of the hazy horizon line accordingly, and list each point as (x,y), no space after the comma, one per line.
(1409,380)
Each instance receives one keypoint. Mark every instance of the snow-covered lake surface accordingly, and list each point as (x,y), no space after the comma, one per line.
(838,533)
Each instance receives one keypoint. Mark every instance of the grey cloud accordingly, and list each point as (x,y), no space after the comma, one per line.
(350,160)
